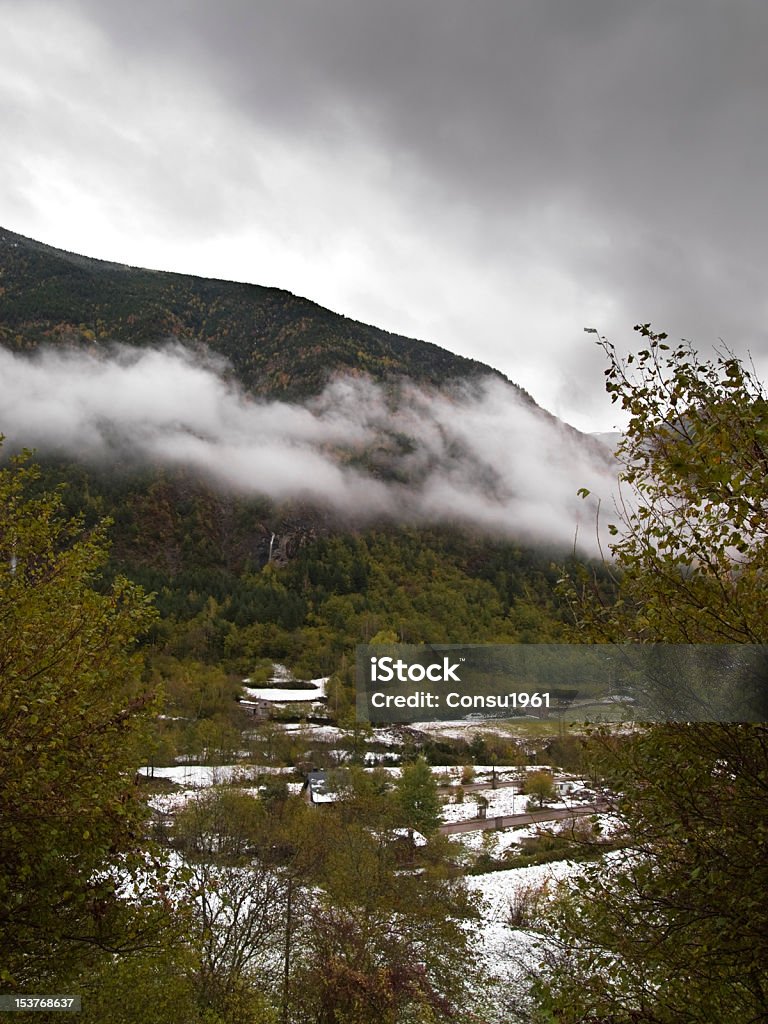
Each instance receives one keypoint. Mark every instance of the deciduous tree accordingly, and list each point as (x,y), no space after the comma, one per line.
(690,531)
(540,786)
(72,707)
(677,930)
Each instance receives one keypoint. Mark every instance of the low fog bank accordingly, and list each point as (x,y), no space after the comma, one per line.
(477,455)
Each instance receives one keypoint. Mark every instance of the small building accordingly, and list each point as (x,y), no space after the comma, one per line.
(568,787)
(258,708)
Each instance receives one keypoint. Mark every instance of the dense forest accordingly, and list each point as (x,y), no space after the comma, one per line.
(236,581)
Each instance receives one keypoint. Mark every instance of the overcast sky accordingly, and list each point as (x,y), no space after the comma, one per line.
(489,175)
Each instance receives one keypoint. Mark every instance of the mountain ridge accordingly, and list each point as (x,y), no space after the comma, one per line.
(280,345)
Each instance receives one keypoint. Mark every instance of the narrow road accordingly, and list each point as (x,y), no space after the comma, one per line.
(529,818)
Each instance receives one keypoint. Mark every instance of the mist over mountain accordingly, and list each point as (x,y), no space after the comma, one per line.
(264,393)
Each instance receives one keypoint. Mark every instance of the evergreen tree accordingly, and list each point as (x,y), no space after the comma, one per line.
(418,797)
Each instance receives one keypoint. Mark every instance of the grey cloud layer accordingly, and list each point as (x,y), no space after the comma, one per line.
(605,106)
(478,456)
(492,176)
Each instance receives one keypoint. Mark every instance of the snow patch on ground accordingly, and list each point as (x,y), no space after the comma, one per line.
(332,733)
(280,692)
(501,802)
(511,955)
(452,774)
(277,695)
(198,776)
(388,737)
(500,841)
(170,803)
(497,842)
(498,887)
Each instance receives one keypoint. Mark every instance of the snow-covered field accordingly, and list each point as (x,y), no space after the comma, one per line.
(198,776)
(505,949)
(498,887)
(278,695)
(331,733)
(500,802)
(169,803)
(498,842)
(280,692)
(511,955)
(451,775)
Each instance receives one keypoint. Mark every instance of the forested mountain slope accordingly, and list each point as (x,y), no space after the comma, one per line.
(239,576)
(279,345)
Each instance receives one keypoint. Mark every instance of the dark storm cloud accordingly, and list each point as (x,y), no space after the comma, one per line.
(556,164)
(637,105)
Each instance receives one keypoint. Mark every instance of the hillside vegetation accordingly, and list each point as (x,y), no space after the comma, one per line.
(278,344)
